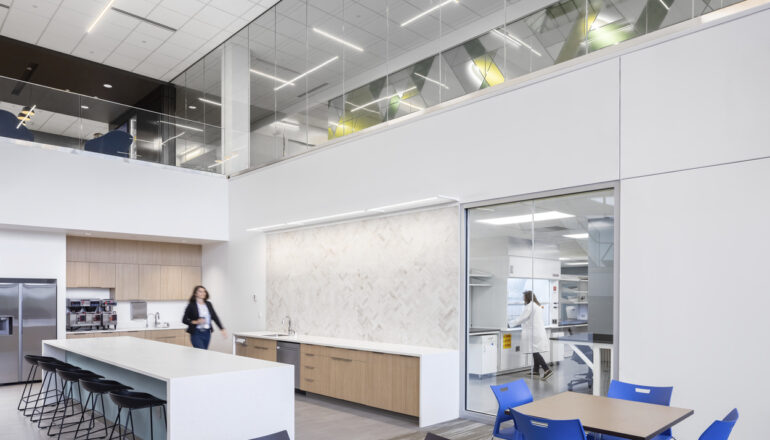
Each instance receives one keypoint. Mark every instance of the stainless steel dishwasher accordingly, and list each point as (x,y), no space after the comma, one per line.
(288,353)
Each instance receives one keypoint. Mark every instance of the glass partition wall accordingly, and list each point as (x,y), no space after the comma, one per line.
(561,249)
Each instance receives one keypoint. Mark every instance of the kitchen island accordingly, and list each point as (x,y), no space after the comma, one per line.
(209,394)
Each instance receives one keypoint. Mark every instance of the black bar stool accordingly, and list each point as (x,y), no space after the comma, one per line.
(131,400)
(69,380)
(26,393)
(96,389)
(49,388)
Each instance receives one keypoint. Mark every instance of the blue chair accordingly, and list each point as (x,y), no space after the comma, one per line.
(114,143)
(640,393)
(508,396)
(720,429)
(535,428)
(8,124)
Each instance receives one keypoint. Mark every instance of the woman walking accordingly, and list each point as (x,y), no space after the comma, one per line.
(198,317)
(533,337)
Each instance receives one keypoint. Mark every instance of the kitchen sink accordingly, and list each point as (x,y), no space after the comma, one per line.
(273,335)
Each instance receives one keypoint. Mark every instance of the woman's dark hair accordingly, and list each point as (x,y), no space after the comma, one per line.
(195,289)
(529,297)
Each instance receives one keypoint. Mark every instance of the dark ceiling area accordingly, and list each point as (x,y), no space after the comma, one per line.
(54,69)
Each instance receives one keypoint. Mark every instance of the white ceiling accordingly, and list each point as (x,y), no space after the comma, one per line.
(126,42)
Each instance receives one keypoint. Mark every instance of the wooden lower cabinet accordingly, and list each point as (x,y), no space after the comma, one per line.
(264,349)
(172,336)
(80,335)
(380,380)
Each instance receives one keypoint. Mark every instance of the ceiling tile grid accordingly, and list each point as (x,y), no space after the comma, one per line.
(155,38)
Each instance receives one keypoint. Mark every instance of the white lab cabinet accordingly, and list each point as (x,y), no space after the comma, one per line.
(528,267)
(482,354)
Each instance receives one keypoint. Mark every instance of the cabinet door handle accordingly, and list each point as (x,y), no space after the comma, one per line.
(309,367)
(342,359)
(309,380)
(260,348)
(309,354)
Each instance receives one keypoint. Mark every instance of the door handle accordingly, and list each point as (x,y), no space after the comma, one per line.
(342,359)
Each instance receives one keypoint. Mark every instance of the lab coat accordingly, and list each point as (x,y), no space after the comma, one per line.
(533,337)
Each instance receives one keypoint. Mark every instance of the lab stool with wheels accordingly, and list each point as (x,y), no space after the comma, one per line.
(131,400)
(96,389)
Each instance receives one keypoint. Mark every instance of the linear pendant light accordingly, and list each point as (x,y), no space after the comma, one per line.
(426,12)
(101,14)
(208,101)
(338,39)
(432,80)
(576,236)
(302,75)
(384,98)
(267,75)
(526,218)
(419,203)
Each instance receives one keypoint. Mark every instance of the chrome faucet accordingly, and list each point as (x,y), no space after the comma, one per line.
(290,330)
(157,318)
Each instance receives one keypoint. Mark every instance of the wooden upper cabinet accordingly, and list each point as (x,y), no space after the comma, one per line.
(77,274)
(100,250)
(150,252)
(170,254)
(126,282)
(191,277)
(170,282)
(77,248)
(101,275)
(149,282)
(190,255)
(127,251)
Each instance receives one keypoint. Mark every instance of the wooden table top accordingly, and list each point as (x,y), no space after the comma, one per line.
(633,420)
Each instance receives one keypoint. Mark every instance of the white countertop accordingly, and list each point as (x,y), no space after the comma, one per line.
(137,329)
(158,359)
(351,344)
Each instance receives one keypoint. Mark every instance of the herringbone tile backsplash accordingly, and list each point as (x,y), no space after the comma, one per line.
(386,279)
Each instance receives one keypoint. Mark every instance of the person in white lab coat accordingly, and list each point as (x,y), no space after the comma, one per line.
(533,337)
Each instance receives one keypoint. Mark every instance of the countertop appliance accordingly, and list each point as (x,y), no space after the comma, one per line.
(288,353)
(91,314)
(27,317)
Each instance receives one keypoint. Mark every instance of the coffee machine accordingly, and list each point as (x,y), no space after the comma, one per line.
(91,314)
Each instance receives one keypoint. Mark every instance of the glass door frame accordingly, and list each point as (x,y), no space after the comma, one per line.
(464,303)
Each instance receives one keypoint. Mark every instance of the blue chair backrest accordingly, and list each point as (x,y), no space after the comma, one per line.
(8,124)
(114,143)
(509,395)
(720,429)
(535,428)
(640,393)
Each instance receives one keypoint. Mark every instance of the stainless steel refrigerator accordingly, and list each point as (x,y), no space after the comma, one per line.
(27,316)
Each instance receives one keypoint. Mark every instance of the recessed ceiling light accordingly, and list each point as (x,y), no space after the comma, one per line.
(338,39)
(576,236)
(302,75)
(107,86)
(577,263)
(421,14)
(192,107)
(101,14)
(267,75)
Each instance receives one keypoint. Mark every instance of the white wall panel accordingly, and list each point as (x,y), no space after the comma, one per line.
(693,291)
(557,133)
(697,100)
(49,188)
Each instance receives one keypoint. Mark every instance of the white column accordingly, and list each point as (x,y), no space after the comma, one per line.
(235,104)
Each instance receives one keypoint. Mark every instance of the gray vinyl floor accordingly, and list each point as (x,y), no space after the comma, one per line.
(316,417)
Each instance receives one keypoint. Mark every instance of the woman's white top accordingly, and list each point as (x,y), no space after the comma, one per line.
(203,312)
(533,336)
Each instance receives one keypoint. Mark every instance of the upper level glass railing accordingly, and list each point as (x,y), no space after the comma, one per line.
(319,70)
(35,113)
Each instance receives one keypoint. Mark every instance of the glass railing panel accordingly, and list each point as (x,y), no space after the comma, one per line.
(50,116)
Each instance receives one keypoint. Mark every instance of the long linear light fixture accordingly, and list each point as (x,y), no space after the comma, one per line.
(364,109)
(431,80)
(526,218)
(665,5)
(576,236)
(516,42)
(420,203)
(222,162)
(181,126)
(383,98)
(146,20)
(101,14)
(428,11)
(302,75)
(208,101)
(338,39)
(27,115)
(274,78)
